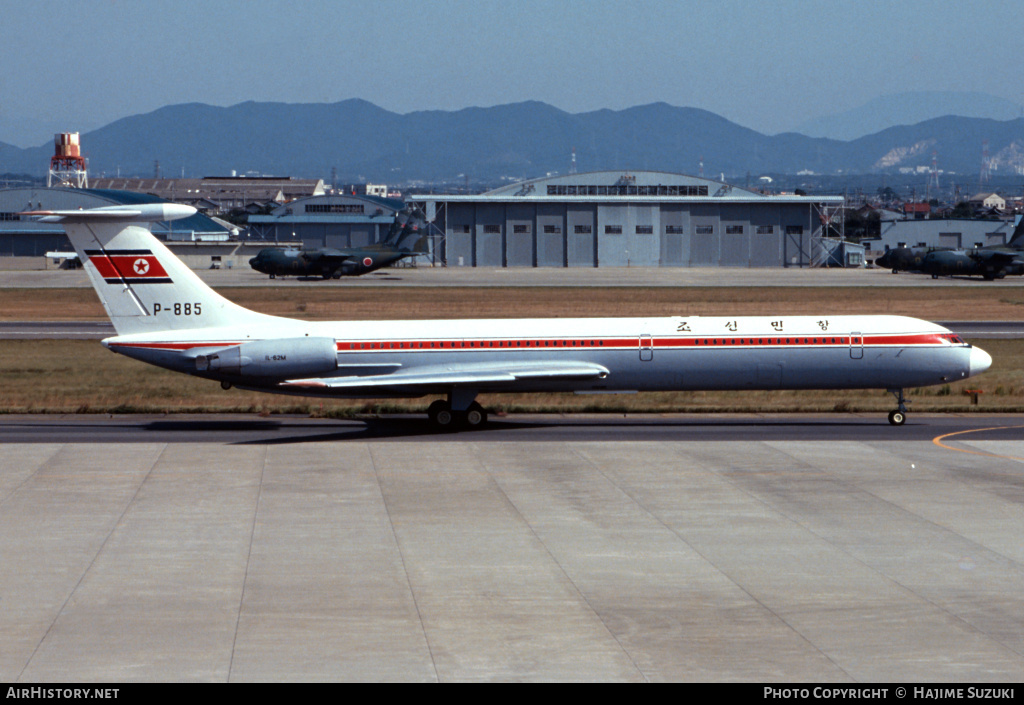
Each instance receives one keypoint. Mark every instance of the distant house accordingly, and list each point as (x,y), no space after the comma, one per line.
(889,215)
(916,211)
(988,201)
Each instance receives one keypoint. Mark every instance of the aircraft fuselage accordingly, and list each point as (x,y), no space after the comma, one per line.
(655,354)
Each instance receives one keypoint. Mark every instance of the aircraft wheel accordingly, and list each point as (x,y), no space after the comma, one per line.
(273,276)
(442,418)
(475,416)
(897,418)
(895,271)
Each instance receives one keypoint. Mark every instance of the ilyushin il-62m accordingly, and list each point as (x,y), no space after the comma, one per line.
(165,315)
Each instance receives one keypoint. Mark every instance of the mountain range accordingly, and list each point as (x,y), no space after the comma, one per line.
(908,108)
(515,141)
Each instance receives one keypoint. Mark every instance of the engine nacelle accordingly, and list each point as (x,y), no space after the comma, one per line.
(281,358)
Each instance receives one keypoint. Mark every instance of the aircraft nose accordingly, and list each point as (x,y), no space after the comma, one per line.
(980,361)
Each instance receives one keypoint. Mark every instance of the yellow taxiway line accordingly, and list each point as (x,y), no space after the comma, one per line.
(938,441)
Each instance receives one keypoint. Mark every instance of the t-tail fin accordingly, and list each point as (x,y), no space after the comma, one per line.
(140,282)
(397,228)
(413,232)
(1017,239)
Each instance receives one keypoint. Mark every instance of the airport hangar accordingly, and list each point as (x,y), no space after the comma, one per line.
(344,220)
(607,218)
(946,233)
(200,241)
(634,218)
(339,221)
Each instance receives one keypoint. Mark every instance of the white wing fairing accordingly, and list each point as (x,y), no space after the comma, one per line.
(167,316)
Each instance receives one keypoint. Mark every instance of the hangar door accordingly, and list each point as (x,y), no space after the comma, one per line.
(675,237)
(519,236)
(361,236)
(704,241)
(736,235)
(550,235)
(490,236)
(581,239)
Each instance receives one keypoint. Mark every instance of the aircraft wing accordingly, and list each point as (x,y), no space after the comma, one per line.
(490,375)
(1005,258)
(998,259)
(333,255)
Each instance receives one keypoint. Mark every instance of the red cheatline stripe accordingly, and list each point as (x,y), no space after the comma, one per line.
(631,343)
(635,342)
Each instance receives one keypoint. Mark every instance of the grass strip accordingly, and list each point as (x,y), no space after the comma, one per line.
(69,376)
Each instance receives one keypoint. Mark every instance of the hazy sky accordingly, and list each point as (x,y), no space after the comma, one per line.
(765,64)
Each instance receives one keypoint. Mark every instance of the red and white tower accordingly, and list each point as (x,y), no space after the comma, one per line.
(67,166)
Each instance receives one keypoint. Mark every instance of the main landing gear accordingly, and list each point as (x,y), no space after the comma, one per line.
(460,411)
(898,417)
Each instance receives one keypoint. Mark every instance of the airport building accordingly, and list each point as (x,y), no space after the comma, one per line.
(339,221)
(946,233)
(619,219)
(943,232)
(218,194)
(199,240)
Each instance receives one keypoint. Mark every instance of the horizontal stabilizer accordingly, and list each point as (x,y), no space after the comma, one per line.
(140,213)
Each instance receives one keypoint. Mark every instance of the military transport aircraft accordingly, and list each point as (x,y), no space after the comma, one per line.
(329,263)
(988,263)
(164,314)
(991,263)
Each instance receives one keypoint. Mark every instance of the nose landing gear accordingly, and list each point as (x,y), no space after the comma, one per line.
(898,417)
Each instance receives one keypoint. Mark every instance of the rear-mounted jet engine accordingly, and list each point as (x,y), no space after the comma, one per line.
(276,358)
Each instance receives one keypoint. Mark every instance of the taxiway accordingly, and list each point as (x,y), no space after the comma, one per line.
(832,548)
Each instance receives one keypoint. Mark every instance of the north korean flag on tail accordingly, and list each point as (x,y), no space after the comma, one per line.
(128,266)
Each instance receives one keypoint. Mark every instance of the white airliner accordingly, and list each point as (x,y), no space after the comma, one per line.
(165,315)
